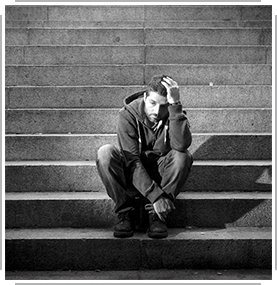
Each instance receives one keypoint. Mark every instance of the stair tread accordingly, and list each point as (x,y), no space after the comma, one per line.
(93,163)
(254,233)
(103,195)
(117,109)
(147,29)
(114,135)
(150,274)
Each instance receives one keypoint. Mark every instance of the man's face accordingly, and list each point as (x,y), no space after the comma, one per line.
(155,106)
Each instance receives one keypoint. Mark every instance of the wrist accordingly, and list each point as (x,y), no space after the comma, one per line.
(175,103)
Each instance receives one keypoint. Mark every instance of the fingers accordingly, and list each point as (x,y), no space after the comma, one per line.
(169,81)
(161,216)
(163,207)
(172,206)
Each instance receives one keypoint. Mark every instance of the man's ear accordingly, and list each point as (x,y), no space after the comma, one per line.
(144,96)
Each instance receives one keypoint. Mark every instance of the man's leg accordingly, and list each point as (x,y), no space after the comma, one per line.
(170,172)
(110,167)
(174,169)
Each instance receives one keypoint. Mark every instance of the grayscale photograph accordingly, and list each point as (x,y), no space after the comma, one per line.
(138,141)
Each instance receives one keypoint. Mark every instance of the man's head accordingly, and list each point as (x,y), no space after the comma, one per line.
(155,99)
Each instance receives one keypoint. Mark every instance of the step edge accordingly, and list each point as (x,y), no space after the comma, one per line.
(93,163)
(248,233)
(28,196)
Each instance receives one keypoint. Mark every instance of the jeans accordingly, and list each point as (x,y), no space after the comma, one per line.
(169,171)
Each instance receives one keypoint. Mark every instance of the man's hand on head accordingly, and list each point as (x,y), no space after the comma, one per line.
(172,88)
(163,207)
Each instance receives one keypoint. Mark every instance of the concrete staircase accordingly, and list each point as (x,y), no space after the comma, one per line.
(68,69)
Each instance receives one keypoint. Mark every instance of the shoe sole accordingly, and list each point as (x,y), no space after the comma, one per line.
(157,235)
(123,234)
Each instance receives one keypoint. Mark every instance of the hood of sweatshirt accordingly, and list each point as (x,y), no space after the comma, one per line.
(135,105)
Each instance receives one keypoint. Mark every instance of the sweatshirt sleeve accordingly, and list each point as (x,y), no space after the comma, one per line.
(128,138)
(179,129)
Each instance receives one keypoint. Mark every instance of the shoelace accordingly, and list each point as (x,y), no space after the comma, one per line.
(149,208)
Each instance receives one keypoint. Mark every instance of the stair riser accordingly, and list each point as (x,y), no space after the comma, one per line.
(81,148)
(139,36)
(53,55)
(208,55)
(208,36)
(110,254)
(89,121)
(139,24)
(85,178)
(112,96)
(137,75)
(99,213)
(138,13)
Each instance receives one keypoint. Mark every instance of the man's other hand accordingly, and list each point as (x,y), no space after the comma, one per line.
(163,207)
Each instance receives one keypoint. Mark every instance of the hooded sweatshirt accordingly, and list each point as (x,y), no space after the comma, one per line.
(137,139)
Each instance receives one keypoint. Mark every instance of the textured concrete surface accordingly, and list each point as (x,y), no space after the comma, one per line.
(163,274)
(129,36)
(139,13)
(74,55)
(191,74)
(84,147)
(95,210)
(208,36)
(217,74)
(104,121)
(83,176)
(59,55)
(74,36)
(87,249)
(259,96)
(139,24)
(193,24)
(74,75)
(207,55)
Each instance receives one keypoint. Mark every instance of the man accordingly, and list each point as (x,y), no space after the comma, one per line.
(153,161)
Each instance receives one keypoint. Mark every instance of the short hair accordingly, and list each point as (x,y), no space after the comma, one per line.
(156,85)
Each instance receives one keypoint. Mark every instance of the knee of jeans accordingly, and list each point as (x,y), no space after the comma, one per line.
(183,159)
(105,153)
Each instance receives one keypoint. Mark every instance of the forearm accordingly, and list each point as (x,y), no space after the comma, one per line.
(179,130)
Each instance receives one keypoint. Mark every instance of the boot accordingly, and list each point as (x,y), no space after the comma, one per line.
(124,228)
(157,228)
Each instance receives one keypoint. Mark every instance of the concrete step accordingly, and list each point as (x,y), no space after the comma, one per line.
(139,13)
(216,74)
(158,274)
(255,96)
(139,24)
(52,176)
(88,249)
(136,36)
(96,121)
(136,74)
(72,55)
(84,147)
(95,210)
(208,54)
(213,12)
(62,55)
(204,24)
(251,36)
(19,36)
